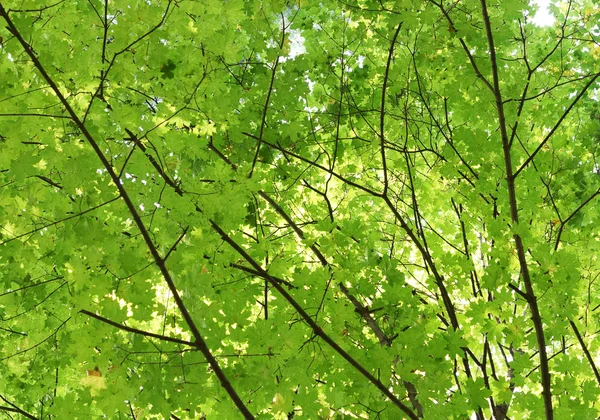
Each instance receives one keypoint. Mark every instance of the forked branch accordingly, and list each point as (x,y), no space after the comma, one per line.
(200,344)
(317,330)
(514,212)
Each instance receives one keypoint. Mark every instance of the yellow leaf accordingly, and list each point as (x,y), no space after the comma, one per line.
(94,382)
(41,165)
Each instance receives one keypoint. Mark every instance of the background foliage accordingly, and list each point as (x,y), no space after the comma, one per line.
(372,209)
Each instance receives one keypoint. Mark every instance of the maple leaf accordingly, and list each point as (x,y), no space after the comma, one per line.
(328,209)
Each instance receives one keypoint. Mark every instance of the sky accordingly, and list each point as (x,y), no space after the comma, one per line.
(542,17)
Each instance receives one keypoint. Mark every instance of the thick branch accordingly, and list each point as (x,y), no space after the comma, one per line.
(317,330)
(14,409)
(199,340)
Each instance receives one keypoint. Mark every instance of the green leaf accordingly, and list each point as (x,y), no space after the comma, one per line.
(433,223)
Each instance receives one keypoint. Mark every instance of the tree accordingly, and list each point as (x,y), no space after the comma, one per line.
(281,209)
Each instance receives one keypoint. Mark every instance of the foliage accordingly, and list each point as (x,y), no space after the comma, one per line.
(246,208)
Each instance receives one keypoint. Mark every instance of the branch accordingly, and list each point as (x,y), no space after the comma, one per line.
(464,46)
(358,307)
(317,330)
(35,115)
(316,165)
(256,273)
(382,112)
(263,121)
(153,161)
(38,10)
(586,351)
(137,331)
(104,73)
(37,344)
(59,221)
(199,340)
(14,409)
(32,285)
(564,222)
(174,247)
(449,306)
(48,181)
(514,210)
(558,123)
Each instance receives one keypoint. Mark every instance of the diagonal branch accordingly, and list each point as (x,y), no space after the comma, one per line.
(99,92)
(564,222)
(137,331)
(59,221)
(358,307)
(464,46)
(132,137)
(362,310)
(586,351)
(256,273)
(200,344)
(316,165)
(38,344)
(558,123)
(174,246)
(15,409)
(29,286)
(48,181)
(317,330)
(447,301)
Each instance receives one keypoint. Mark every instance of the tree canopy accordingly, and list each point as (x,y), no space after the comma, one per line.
(279,209)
